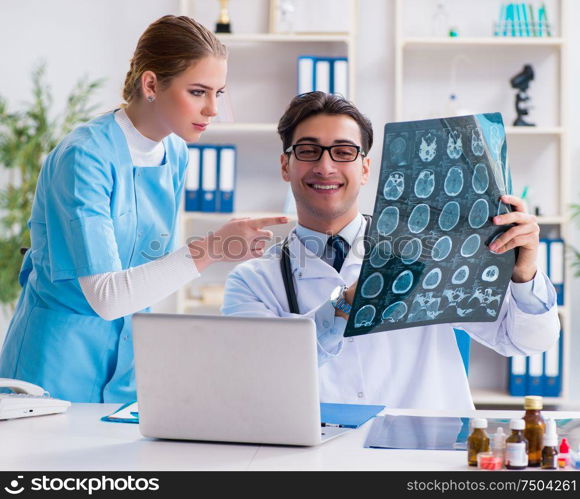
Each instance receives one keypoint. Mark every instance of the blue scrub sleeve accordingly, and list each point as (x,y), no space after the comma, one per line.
(80,233)
(176,237)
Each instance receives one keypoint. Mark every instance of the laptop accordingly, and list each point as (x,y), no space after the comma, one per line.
(228,379)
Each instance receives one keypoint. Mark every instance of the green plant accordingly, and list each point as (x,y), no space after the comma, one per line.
(26,137)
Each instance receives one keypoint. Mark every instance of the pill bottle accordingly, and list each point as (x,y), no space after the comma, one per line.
(478,441)
(535,427)
(516,446)
(550,449)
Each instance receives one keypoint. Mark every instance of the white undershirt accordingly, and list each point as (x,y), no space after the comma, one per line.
(144,151)
(116,294)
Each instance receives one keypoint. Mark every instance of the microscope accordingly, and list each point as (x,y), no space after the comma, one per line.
(521,81)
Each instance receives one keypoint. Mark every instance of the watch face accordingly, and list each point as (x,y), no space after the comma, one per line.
(336,292)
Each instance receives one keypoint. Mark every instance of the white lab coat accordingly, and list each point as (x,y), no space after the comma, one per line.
(419,367)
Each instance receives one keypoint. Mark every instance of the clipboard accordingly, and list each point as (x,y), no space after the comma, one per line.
(347,415)
(127,413)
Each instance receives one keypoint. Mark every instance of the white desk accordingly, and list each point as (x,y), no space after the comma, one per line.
(79,441)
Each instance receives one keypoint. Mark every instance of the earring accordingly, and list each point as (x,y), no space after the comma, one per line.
(150,98)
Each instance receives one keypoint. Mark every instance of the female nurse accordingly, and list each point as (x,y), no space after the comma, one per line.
(103,223)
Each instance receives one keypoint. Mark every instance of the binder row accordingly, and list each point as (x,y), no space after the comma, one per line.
(327,74)
(538,374)
(519,19)
(551,261)
(210,183)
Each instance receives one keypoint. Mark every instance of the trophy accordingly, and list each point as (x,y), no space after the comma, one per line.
(223,24)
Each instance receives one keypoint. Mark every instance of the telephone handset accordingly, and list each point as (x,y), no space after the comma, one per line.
(27,399)
(19,386)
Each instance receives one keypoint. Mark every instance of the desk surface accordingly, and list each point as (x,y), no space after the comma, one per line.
(78,440)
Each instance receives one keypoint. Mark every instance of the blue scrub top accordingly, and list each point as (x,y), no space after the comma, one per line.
(93,212)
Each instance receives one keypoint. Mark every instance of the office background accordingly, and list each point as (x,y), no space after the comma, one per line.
(97,38)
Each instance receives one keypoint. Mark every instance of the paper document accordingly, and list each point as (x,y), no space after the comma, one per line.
(128,413)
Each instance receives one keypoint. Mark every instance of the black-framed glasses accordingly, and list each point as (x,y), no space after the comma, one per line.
(341,153)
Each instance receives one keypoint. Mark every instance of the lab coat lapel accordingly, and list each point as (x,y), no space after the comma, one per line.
(305,264)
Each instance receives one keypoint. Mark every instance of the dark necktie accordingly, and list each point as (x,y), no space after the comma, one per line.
(341,248)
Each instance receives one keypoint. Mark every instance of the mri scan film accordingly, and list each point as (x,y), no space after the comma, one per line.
(427,257)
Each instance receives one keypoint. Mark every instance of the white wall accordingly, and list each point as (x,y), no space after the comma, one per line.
(97,38)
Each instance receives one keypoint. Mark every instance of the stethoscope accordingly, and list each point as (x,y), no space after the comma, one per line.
(286,269)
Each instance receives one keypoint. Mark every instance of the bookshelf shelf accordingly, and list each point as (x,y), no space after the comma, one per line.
(532,130)
(284,38)
(493,397)
(497,41)
(242,127)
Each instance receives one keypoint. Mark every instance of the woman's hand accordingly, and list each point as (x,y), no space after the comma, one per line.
(525,235)
(236,241)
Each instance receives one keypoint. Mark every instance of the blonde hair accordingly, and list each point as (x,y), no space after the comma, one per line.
(167,47)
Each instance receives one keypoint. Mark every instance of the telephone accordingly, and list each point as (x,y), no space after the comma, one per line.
(27,400)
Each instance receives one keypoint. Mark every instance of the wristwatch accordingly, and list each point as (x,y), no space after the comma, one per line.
(337,299)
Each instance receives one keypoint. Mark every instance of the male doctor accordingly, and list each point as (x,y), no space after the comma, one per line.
(326,141)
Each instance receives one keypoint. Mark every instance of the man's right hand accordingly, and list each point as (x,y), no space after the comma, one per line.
(236,241)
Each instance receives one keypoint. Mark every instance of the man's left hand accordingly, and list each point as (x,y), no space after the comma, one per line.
(525,235)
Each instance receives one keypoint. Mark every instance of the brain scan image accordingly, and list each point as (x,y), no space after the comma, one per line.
(449,216)
(490,274)
(479,213)
(397,150)
(425,184)
(454,145)
(403,282)
(394,186)
(388,220)
(453,181)
(364,316)
(460,275)
(394,312)
(425,306)
(432,279)
(480,179)
(470,245)
(427,259)
(411,251)
(441,248)
(419,218)
(381,254)
(428,148)
(373,285)
(477,142)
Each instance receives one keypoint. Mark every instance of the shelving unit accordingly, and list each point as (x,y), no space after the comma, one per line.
(550,135)
(261,82)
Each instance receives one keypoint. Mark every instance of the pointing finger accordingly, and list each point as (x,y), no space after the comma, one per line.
(258,223)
